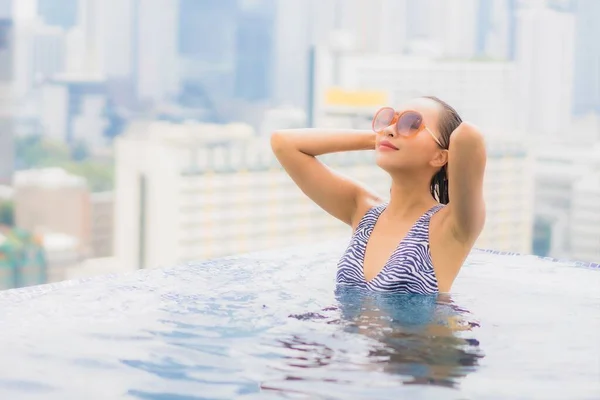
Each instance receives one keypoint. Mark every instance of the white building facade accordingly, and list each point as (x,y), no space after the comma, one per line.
(181,197)
(585,218)
(483,92)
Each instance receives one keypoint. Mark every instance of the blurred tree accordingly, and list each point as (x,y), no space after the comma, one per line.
(99,175)
(38,152)
(35,151)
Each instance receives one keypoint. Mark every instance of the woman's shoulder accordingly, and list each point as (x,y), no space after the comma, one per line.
(365,206)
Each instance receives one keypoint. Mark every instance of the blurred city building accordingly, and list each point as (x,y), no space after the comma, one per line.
(72,223)
(566,202)
(51,200)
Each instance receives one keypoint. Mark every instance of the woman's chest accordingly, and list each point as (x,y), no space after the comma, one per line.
(378,251)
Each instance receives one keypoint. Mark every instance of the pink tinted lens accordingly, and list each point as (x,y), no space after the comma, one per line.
(383,119)
(409,123)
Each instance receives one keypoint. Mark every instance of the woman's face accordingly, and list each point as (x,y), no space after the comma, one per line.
(416,152)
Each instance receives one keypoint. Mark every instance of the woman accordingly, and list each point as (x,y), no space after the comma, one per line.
(418,241)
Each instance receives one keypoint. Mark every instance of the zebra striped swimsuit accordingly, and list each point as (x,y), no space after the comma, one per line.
(408,270)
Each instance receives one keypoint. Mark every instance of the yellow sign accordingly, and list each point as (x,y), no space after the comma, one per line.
(356,98)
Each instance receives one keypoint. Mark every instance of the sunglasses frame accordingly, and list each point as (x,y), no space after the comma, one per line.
(396,118)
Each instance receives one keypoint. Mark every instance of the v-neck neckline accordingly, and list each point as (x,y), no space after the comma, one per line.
(378,213)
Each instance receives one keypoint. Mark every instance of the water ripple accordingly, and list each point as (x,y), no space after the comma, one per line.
(272,325)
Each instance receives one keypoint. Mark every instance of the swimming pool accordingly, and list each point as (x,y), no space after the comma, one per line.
(270,325)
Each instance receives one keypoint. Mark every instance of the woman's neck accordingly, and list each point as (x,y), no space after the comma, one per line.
(410,194)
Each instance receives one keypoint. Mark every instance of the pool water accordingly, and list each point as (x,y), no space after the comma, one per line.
(272,325)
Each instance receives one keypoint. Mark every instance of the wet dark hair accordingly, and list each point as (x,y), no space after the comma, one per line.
(449,121)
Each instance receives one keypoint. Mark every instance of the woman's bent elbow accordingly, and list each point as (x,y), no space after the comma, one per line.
(278,142)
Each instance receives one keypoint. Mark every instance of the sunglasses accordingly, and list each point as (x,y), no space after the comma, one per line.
(407,123)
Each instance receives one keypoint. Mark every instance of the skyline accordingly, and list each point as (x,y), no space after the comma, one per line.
(82,78)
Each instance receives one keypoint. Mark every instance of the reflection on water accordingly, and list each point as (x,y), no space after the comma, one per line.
(365,341)
(424,340)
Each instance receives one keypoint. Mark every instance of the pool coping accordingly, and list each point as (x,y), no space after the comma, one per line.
(581,264)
